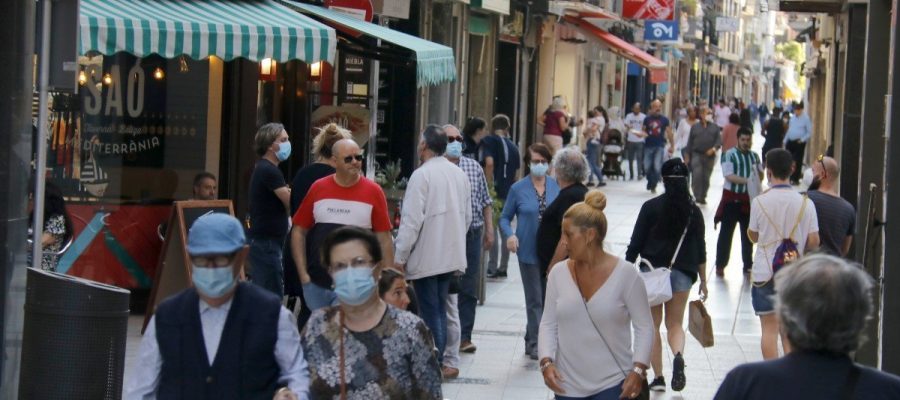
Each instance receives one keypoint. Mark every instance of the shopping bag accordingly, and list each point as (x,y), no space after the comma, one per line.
(700,323)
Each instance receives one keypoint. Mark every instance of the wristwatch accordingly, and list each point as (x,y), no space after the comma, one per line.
(546,364)
(638,370)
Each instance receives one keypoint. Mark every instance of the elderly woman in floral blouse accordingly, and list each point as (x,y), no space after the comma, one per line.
(364,348)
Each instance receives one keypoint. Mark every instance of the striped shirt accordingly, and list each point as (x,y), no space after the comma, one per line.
(480,196)
(736,162)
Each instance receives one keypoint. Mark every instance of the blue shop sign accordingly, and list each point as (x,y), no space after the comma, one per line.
(661,31)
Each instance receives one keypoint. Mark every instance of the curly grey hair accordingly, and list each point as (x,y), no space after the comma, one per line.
(823,303)
(570,165)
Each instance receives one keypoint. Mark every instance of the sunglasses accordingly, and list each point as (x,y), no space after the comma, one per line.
(821,161)
(451,139)
(358,157)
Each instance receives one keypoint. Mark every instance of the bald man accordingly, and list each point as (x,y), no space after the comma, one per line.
(837,217)
(345,198)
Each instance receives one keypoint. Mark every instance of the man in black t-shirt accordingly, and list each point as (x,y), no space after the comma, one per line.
(269,206)
(837,217)
(502,155)
(571,170)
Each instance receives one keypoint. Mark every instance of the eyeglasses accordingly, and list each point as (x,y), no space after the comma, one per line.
(216,261)
(358,157)
(451,139)
(356,262)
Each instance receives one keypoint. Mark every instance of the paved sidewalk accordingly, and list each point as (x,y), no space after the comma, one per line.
(500,370)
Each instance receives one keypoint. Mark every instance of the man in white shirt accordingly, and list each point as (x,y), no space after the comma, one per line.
(722,112)
(777,214)
(634,151)
(431,242)
(220,337)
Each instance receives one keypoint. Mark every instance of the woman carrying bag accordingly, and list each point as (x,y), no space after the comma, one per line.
(669,233)
(593,300)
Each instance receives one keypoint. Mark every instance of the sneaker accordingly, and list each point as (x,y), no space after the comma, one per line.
(678,378)
(449,372)
(601,184)
(531,352)
(501,274)
(467,347)
(658,384)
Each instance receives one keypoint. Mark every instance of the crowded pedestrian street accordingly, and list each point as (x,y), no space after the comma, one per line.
(450,200)
(500,369)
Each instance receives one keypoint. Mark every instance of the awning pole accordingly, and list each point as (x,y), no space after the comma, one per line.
(41,157)
(374,67)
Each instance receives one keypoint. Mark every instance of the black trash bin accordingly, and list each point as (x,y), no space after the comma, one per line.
(73,343)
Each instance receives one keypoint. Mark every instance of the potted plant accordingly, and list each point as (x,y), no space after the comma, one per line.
(388,177)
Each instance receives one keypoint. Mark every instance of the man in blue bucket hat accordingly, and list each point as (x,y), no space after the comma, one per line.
(220,339)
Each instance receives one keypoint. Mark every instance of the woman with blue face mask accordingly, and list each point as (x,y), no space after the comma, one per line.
(363,348)
(526,202)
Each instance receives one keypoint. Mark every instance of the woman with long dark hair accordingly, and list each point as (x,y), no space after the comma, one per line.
(57,225)
(773,131)
(657,238)
(474,130)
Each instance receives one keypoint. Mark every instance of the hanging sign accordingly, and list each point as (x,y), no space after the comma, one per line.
(727,24)
(360,9)
(661,31)
(648,9)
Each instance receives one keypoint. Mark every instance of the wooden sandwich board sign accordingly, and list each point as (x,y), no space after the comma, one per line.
(173,272)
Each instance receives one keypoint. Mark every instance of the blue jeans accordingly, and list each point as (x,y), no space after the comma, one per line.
(534,302)
(468,283)
(612,393)
(265,267)
(317,297)
(593,157)
(653,161)
(432,294)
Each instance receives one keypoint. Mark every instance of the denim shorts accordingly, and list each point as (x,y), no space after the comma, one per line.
(763,298)
(681,282)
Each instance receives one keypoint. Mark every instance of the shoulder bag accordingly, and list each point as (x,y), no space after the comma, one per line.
(645,387)
(658,280)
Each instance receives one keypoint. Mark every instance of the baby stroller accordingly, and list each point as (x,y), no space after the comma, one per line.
(613,146)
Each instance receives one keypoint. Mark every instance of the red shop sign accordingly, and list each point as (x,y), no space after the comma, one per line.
(648,9)
(361,9)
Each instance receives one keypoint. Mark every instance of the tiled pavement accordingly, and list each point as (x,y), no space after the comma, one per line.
(500,370)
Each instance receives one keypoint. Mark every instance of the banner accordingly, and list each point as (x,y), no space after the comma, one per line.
(648,9)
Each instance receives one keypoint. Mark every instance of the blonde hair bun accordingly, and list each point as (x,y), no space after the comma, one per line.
(595,199)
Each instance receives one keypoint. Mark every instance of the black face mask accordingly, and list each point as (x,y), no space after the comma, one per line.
(815,184)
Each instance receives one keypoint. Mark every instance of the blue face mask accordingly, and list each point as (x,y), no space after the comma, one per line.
(284,151)
(354,285)
(454,150)
(212,282)
(539,169)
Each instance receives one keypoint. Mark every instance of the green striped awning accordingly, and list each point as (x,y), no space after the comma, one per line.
(435,63)
(227,29)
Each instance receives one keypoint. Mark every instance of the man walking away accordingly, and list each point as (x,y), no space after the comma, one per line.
(798,132)
(836,216)
(634,150)
(345,198)
(502,155)
(461,306)
(220,338)
(431,242)
(269,208)
(737,166)
(778,214)
(705,139)
(658,133)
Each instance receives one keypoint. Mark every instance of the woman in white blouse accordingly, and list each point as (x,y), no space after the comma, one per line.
(593,299)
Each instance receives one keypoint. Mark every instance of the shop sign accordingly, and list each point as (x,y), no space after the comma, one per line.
(132,118)
(392,8)
(727,24)
(648,9)
(351,117)
(661,31)
(360,9)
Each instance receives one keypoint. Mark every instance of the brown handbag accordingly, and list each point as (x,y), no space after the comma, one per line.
(700,323)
